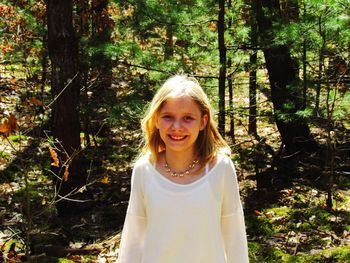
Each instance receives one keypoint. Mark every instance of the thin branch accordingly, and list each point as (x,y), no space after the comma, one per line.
(59,94)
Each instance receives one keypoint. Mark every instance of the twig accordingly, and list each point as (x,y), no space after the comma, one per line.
(59,94)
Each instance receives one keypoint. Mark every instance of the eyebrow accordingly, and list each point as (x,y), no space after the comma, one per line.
(186,113)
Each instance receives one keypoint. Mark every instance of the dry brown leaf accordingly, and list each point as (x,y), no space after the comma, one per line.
(36,102)
(66,174)
(54,157)
(105,179)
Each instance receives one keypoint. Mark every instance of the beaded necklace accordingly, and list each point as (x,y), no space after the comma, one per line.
(180,174)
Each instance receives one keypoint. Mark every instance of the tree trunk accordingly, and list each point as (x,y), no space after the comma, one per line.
(101,33)
(285,85)
(222,72)
(304,66)
(320,64)
(304,74)
(169,43)
(63,52)
(231,109)
(230,86)
(83,12)
(252,127)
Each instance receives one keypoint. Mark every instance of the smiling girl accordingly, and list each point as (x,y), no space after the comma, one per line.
(184,204)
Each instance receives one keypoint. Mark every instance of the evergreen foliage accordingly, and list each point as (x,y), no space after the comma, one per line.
(142,43)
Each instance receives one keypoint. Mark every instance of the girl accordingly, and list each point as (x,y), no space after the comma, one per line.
(184,205)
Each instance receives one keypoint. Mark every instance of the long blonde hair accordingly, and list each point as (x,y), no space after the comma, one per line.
(209,141)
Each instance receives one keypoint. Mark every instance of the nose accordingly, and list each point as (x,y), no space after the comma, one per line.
(177,124)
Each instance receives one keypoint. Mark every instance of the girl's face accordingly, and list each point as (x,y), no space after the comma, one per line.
(179,122)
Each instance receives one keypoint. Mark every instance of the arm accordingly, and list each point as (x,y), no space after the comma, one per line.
(232,220)
(131,244)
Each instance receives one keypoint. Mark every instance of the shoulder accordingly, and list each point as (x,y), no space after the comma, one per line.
(140,166)
(223,167)
(226,168)
(224,161)
(223,176)
(141,161)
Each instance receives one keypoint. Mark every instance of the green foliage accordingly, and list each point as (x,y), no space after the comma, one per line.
(17,138)
(289,33)
(305,113)
(5,155)
(301,229)
(259,253)
(342,108)
(140,38)
(32,193)
(259,225)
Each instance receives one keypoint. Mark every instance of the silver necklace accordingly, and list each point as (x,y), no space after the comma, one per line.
(180,174)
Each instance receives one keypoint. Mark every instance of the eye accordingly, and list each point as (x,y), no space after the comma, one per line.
(188,118)
(166,117)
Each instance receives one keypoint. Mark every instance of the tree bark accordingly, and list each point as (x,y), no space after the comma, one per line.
(252,126)
(222,70)
(101,34)
(230,86)
(284,82)
(169,43)
(320,65)
(63,53)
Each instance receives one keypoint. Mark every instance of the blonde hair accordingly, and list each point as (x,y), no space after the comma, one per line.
(209,141)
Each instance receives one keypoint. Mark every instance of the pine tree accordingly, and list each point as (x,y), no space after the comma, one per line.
(63,52)
(284,82)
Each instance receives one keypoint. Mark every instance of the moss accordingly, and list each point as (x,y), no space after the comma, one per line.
(259,253)
(259,226)
(280,211)
(338,254)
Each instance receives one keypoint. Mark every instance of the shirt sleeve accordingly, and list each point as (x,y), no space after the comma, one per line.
(131,244)
(232,219)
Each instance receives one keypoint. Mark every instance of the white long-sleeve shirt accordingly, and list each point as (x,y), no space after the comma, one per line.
(199,222)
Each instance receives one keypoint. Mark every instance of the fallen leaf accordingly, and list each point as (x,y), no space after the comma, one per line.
(12,123)
(75,258)
(36,102)
(258,213)
(105,179)
(8,125)
(4,128)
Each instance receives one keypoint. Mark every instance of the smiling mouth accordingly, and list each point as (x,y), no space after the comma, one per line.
(177,138)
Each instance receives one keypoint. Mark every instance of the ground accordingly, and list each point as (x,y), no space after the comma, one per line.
(287,217)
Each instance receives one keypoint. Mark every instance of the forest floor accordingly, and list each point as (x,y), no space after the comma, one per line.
(287,220)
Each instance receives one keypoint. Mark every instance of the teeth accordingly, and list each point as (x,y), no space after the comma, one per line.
(177,137)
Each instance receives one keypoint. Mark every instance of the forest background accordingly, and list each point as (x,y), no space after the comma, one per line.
(75,77)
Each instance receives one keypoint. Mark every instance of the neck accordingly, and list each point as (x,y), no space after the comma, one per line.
(179,161)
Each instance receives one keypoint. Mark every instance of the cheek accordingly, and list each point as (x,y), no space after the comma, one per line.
(163,124)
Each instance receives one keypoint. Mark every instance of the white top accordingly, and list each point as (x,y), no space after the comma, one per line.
(199,222)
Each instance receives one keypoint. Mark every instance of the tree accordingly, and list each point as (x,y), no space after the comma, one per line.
(222,69)
(284,82)
(230,84)
(101,35)
(95,27)
(253,58)
(63,53)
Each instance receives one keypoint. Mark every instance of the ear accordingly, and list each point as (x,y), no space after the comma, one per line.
(204,123)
